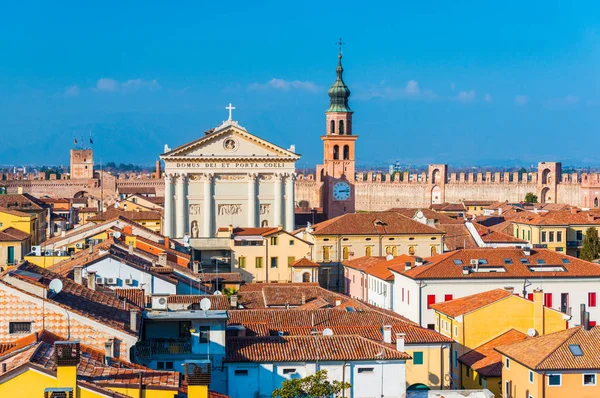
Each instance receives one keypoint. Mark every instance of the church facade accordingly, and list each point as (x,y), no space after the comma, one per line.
(228,177)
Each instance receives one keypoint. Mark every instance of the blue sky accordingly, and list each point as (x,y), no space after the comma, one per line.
(463,83)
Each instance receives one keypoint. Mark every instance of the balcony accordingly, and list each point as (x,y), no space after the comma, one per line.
(573,243)
(210,243)
(147,349)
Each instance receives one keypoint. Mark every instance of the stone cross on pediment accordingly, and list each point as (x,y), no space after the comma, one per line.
(230,108)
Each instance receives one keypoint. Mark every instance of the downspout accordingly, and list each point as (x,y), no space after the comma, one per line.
(339,260)
(344,379)
(266,259)
(442,367)
(420,303)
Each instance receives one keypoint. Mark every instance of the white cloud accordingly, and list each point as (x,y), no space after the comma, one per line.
(487,98)
(466,96)
(134,84)
(412,87)
(72,91)
(282,84)
(107,84)
(521,99)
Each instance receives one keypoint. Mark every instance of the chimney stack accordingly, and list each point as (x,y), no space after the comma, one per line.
(303,299)
(387,334)
(233,300)
(130,248)
(133,320)
(109,350)
(407,266)
(582,314)
(195,267)
(418,261)
(91,280)
(400,341)
(162,259)
(527,251)
(78,274)
(167,242)
(338,302)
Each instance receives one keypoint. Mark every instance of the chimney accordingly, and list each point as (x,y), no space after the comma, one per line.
(195,267)
(133,320)
(466,270)
(91,280)
(3,367)
(109,350)
(162,259)
(591,217)
(131,247)
(387,334)
(91,249)
(127,230)
(581,314)
(78,274)
(574,210)
(303,301)
(407,266)
(167,242)
(586,321)
(527,251)
(233,300)
(66,358)
(157,169)
(400,341)
(538,311)
(338,302)
(62,233)
(418,261)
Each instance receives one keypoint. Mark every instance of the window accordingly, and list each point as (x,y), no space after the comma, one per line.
(507,363)
(566,261)
(258,262)
(291,260)
(411,250)
(408,297)
(204,334)
(579,235)
(554,380)
(291,242)
(592,299)
(457,262)
(368,251)
(242,262)
(529,235)
(559,236)
(544,236)
(548,299)
(468,371)
(551,236)
(19,327)
(530,296)
(430,300)
(160,365)
(341,127)
(274,241)
(365,370)
(507,261)
(575,350)
(402,294)
(336,152)
(530,376)
(326,253)
(480,380)
(455,359)
(418,358)
(274,261)
(507,389)
(345,252)
(589,379)
(455,330)
(306,277)
(288,371)
(331,127)
(541,261)
(240,372)
(447,297)
(346,152)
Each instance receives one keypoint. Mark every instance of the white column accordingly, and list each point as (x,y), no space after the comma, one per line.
(277,201)
(289,202)
(207,215)
(169,206)
(252,208)
(181,224)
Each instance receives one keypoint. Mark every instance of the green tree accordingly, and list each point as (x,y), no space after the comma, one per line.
(229,291)
(530,197)
(315,385)
(591,245)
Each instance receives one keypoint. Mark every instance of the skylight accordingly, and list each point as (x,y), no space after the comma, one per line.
(566,261)
(482,261)
(540,261)
(524,261)
(576,350)
(507,261)
(458,262)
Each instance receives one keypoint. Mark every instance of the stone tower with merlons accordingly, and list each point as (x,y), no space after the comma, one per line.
(336,174)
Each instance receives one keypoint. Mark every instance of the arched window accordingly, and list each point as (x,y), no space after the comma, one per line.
(332,127)
(346,152)
(306,277)
(411,250)
(326,253)
(433,250)
(345,252)
(341,129)
(264,223)
(368,251)
(336,152)
(596,202)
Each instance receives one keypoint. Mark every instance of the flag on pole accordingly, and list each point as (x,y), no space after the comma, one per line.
(91,141)
(75,141)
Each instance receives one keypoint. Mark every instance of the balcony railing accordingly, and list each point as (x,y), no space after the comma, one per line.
(146,349)
(573,243)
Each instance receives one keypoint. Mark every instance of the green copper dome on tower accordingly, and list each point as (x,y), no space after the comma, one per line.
(339,92)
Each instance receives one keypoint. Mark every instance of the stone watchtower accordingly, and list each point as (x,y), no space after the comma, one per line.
(336,174)
(82,164)
(549,176)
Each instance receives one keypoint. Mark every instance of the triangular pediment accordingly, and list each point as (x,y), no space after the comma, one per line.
(230,141)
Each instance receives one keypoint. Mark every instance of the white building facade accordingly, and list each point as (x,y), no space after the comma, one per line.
(228,177)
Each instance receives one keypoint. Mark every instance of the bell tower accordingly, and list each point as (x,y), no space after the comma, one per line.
(336,174)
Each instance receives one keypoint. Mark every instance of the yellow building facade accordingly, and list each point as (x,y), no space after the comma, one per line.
(22,221)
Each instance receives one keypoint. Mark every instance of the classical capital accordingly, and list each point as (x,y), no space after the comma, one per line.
(278,177)
(182,177)
(209,177)
(252,177)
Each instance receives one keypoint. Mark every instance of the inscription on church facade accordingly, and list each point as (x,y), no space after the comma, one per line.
(232,165)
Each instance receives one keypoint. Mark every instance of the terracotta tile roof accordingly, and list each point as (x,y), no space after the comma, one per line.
(19,202)
(161,246)
(222,277)
(265,295)
(552,352)
(464,305)
(439,218)
(315,304)
(379,266)
(135,297)
(505,227)
(372,223)
(14,212)
(457,237)
(456,207)
(485,360)
(366,322)
(304,262)
(131,215)
(306,348)
(88,210)
(489,235)
(477,202)
(137,190)
(91,304)
(11,234)
(507,263)
(217,302)
(573,217)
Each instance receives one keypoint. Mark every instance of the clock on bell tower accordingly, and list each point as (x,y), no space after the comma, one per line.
(336,174)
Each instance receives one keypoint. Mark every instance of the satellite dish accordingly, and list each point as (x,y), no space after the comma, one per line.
(531,332)
(217,293)
(205,304)
(389,257)
(55,286)
(117,235)
(327,332)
